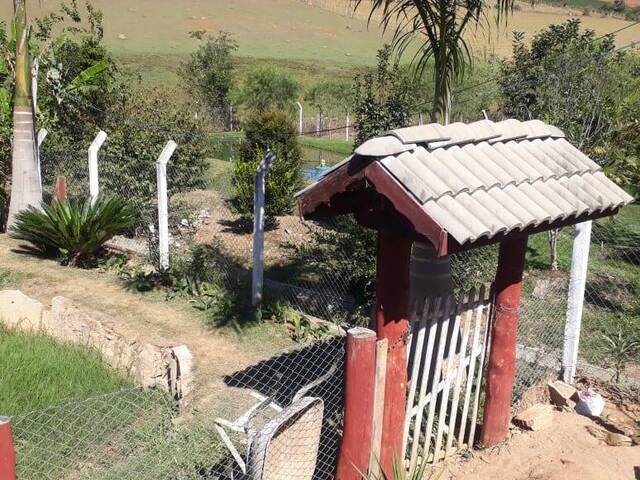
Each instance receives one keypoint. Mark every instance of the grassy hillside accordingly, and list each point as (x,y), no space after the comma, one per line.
(150,37)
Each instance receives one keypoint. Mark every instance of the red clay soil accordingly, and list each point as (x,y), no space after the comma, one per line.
(572,449)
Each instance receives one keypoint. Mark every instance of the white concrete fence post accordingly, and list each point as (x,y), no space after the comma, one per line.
(346,128)
(94,182)
(575,301)
(259,187)
(42,134)
(299,117)
(163,203)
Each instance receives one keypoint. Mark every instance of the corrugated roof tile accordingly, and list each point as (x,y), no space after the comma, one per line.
(486,178)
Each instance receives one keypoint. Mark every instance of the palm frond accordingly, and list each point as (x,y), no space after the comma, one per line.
(443,24)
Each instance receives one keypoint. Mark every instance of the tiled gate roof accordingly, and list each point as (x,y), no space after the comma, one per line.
(487,178)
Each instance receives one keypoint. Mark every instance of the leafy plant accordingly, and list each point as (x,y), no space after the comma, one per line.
(74,230)
(273,130)
(620,348)
(382,100)
(267,88)
(400,473)
(208,75)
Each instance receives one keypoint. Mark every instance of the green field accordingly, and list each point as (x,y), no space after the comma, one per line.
(150,37)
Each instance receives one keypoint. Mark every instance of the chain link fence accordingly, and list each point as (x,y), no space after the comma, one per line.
(326,269)
(141,434)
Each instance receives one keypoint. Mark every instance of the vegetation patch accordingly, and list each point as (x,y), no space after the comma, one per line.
(37,370)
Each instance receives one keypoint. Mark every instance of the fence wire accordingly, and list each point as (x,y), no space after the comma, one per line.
(328,269)
(140,434)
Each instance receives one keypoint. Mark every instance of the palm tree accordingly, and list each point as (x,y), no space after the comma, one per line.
(439,26)
(26,189)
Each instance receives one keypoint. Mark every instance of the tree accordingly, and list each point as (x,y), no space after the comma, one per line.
(330,96)
(267,88)
(26,190)
(442,26)
(208,75)
(568,78)
(382,101)
(575,81)
(74,68)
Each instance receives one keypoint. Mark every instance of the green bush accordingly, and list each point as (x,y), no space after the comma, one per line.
(273,130)
(208,76)
(267,88)
(74,230)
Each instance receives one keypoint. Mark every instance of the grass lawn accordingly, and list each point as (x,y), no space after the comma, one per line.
(327,144)
(37,371)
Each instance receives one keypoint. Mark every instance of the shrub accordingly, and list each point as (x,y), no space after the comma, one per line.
(267,88)
(382,100)
(273,130)
(74,230)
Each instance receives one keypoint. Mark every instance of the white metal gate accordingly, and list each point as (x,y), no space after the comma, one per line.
(446,360)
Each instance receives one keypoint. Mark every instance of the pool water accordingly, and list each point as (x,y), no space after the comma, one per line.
(315,161)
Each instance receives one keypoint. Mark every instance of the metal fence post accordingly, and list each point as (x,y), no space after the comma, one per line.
(7,451)
(163,203)
(575,302)
(96,145)
(259,187)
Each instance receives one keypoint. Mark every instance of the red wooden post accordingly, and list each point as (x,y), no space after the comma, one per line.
(7,451)
(502,359)
(60,192)
(392,313)
(358,404)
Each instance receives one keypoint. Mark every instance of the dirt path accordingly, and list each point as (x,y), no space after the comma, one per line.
(147,315)
(566,451)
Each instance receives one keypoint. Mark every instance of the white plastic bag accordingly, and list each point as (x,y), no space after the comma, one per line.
(590,403)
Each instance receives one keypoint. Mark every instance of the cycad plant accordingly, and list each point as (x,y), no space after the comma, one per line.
(74,230)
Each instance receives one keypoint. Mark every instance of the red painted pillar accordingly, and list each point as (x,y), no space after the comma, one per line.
(392,313)
(360,369)
(501,368)
(7,451)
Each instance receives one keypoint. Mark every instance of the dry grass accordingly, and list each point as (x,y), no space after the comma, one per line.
(297,32)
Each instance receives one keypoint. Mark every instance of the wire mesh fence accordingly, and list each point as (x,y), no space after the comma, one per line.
(288,427)
(327,269)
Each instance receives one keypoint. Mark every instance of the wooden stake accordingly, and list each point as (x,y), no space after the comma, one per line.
(360,368)
(382,347)
(7,451)
(502,359)
(60,193)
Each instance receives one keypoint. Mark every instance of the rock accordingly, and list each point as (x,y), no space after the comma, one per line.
(617,440)
(537,417)
(562,394)
(122,36)
(19,311)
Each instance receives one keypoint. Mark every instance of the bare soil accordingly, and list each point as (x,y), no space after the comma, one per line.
(235,234)
(572,449)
